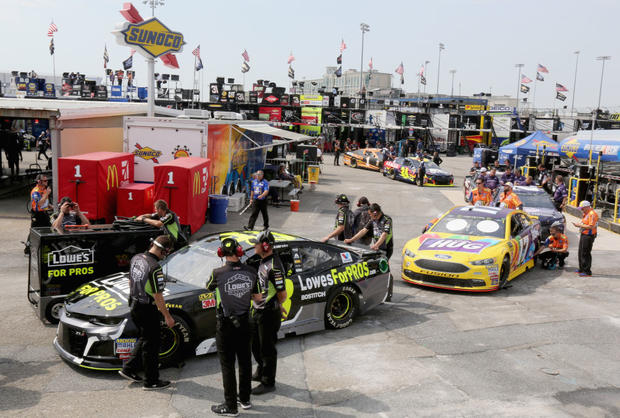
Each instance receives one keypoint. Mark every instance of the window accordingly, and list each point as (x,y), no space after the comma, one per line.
(314,257)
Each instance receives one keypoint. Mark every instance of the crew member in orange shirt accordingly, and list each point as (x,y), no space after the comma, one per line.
(588,231)
(481,194)
(509,198)
(558,249)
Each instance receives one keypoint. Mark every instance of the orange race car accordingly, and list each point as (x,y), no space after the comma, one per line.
(370,158)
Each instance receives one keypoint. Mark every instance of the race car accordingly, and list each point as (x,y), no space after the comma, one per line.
(472,248)
(538,204)
(406,169)
(327,286)
(370,158)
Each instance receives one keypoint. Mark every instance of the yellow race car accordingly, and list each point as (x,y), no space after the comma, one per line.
(472,248)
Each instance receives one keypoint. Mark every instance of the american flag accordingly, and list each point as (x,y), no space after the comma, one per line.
(52,28)
(525,79)
(559,87)
(246,56)
(370,63)
(421,73)
(196,51)
(106,57)
(400,69)
(343,46)
(291,58)
(542,69)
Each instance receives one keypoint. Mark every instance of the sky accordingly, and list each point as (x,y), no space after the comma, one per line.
(484,40)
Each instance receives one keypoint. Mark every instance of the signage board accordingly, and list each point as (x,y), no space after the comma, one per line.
(150,37)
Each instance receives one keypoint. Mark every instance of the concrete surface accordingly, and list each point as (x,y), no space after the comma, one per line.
(547,346)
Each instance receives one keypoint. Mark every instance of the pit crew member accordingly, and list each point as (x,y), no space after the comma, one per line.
(557,243)
(509,198)
(560,195)
(341,230)
(166,219)
(381,227)
(588,230)
(481,194)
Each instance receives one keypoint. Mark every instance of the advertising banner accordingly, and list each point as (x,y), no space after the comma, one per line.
(311,100)
(311,115)
(150,37)
(295,100)
(270,113)
(253,96)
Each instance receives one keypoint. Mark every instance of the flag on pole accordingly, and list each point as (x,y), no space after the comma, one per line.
(338,72)
(51,29)
(525,79)
(132,51)
(128,63)
(370,64)
(542,69)
(245,67)
(559,87)
(291,58)
(343,46)
(246,56)
(106,57)
(339,59)
(524,88)
(52,46)
(400,69)
(539,77)
(196,52)
(421,73)
(402,79)
(199,65)
(560,96)
(422,80)
(291,72)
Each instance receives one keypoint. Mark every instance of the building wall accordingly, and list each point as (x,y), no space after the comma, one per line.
(349,83)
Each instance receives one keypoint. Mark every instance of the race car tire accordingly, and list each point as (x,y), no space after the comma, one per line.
(52,311)
(504,272)
(392,174)
(174,342)
(353,163)
(341,307)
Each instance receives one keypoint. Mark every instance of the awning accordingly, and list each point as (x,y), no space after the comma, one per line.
(263,128)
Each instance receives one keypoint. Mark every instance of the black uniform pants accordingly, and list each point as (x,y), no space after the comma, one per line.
(421,174)
(13,160)
(265,326)
(234,343)
(551,257)
(145,354)
(337,158)
(585,253)
(259,206)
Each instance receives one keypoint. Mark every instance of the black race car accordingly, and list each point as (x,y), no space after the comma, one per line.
(406,169)
(327,286)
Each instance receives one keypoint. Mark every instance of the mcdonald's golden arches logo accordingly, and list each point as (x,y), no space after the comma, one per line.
(111,179)
(196,185)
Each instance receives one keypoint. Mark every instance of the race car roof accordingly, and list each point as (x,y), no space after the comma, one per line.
(528,190)
(482,211)
(245,236)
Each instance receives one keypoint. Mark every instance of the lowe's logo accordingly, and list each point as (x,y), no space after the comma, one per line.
(70,256)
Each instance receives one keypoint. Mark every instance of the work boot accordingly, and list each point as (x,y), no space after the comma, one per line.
(129,375)
(262,388)
(160,384)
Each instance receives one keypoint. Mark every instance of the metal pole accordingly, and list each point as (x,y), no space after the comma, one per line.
(426,74)
(519,66)
(452,88)
(441,46)
(595,112)
(364,28)
(151,86)
(572,102)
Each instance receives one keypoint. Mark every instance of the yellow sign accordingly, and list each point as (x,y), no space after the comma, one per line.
(151,36)
(474,107)
(196,188)
(313,173)
(111,179)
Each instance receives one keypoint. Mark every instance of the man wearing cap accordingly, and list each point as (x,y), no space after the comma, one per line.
(258,197)
(361,217)
(491,181)
(69,214)
(341,229)
(557,243)
(481,194)
(235,285)
(588,230)
(560,195)
(509,198)
(268,311)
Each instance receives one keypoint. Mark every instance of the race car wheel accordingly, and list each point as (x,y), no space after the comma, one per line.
(353,163)
(52,311)
(341,307)
(392,174)
(174,342)
(504,272)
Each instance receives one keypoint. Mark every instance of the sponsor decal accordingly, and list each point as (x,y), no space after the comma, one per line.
(494,282)
(99,296)
(313,295)
(174,306)
(147,153)
(71,255)
(458,245)
(238,285)
(336,276)
(206,304)
(196,185)
(179,152)
(150,36)
(123,347)
(443,256)
(206,296)
(493,272)
(271,99)
(439,273)
(346,257)
(111,180)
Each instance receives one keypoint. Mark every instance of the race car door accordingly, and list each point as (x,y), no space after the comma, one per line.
(371,159)
(521,234)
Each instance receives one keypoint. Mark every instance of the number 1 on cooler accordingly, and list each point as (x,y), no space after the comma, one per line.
(170,180)
(77,171)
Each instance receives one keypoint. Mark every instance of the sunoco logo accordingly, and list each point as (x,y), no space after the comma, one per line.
(147,153)
(152,36)
(238,285)
(70,256)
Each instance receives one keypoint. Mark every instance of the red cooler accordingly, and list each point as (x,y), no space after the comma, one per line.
(184,184)
(135,199)
(93,180)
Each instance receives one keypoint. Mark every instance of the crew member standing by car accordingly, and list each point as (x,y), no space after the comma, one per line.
(267,313)
(167,220)
(437,159)
(557,243)
(336,152)
(510,198)
(481,194)
(560,195)
(361,217)
(588,229)
(258,197)
(39,206)
(235,285)
(381,226)
(421,172)
(146,286)
(343,220)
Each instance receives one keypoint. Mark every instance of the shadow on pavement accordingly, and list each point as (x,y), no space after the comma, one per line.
(11,397)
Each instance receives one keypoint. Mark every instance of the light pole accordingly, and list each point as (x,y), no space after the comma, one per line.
(150,74)
(452,88)
(425,74)
(364,28)
(441,48)
(572,102)
(153,4)
(600,92)
(519,66)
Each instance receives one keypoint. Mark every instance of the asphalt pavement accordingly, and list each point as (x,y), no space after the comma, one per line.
(546,346)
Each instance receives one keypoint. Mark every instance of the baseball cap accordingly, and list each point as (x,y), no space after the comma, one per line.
(584,204)
(342,198)
(483,170)
(509,184)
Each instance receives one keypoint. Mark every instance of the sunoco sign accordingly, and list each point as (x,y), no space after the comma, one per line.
(151,37)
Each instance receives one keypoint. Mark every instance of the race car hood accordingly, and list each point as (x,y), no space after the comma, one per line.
(450,246)
(108,296)
(437,172)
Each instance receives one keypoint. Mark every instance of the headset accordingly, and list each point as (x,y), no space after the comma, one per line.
(229,246)
(164,251)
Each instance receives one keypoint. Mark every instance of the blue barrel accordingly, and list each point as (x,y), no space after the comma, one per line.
(218,204)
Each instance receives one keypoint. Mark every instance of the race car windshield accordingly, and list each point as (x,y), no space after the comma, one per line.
(195,263)
(538,200)
(477,226)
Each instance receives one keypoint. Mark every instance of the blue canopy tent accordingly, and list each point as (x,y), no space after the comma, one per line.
(517,152)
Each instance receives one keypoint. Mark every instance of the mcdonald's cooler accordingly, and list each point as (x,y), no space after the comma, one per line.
(93,180)
(135,199)
(184,184)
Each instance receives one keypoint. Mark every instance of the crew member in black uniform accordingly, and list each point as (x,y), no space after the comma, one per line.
(235,285)
(167,220)
(341,228)
(146,282)
(267,313)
